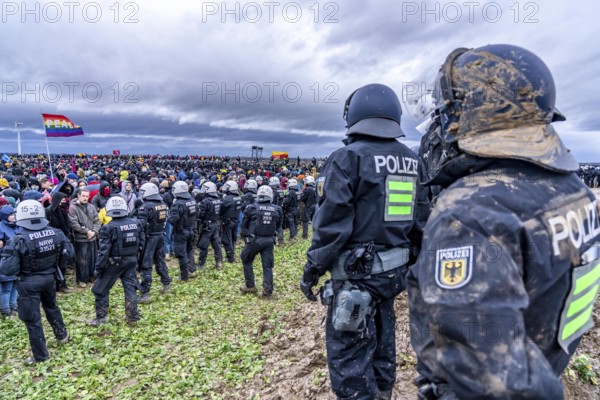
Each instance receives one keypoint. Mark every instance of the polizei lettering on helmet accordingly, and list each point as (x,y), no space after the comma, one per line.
(579,226)
(396,165)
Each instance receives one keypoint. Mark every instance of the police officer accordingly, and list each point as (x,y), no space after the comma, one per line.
(309,198)
(230,212)
(120,242)
(290,206)
(35,254)
(259,227)
(209,211)
(278,196)
(153,216)
(510,258)
(251,186)
(368,221)
(182,216)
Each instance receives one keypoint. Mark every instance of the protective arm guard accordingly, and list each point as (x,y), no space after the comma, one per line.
(104,248)
(246,221)
(334,217)
(174,215)
(10,262)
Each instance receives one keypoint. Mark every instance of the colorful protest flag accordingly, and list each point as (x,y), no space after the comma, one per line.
(60,126)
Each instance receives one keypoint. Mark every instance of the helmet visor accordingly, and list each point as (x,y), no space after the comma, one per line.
(422,95)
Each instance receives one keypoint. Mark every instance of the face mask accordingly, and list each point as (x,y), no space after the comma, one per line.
(35,187)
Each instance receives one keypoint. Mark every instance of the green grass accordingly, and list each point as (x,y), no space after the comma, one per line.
(200,341)
(580,366)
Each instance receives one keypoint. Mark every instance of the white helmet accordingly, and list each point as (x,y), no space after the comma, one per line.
(116,207)
(264,194)
(230,187)
(309,180)
(181,190)
(292,184)
(31,215)
(259,179)
(209,188)
(251,185)
(274,181)
(149,191)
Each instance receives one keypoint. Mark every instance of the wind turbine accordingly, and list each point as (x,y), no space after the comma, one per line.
(18,126)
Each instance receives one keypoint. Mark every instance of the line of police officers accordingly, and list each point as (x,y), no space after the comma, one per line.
(512,242)
(38,253)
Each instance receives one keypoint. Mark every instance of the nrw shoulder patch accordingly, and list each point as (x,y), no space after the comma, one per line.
(320,184)
(454,267)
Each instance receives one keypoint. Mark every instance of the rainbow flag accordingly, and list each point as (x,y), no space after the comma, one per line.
(60,126)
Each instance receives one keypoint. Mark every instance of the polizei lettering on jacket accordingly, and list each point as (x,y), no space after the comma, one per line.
(396,165)
(129,227)
(578,226)
(41,234)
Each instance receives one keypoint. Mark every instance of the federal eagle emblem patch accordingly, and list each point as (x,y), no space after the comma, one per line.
(454,267)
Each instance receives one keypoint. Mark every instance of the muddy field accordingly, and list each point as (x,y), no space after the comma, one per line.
(296,365)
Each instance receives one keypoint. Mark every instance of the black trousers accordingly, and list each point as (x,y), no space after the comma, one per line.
(362,363)
(154,253)
(210,234)
(85,260)
(123,268)
(33,290)
(183,247)
(264,246)
(292,217)
(307,215)
(229,237)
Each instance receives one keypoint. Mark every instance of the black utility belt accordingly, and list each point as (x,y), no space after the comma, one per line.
(383,261)
(120,258)
(39,273)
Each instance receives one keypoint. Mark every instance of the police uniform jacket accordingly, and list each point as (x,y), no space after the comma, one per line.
(262,220)
(367,192)
(121,238)
(498,300)
(153,216)
(36,252)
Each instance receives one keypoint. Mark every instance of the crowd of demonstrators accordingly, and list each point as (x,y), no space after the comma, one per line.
(106,216)
(590,174)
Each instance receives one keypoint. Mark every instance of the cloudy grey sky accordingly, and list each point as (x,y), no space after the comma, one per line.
(184,77)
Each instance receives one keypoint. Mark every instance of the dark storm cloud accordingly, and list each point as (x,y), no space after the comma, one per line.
(182,81)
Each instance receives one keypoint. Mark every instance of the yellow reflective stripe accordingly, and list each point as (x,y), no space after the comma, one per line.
(399,210)
(577,323)
(587,280)
(397,185)
(400,198)
(582,302)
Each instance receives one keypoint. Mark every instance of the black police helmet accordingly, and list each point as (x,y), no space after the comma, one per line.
(499,87)
(373,110)
(503,98)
